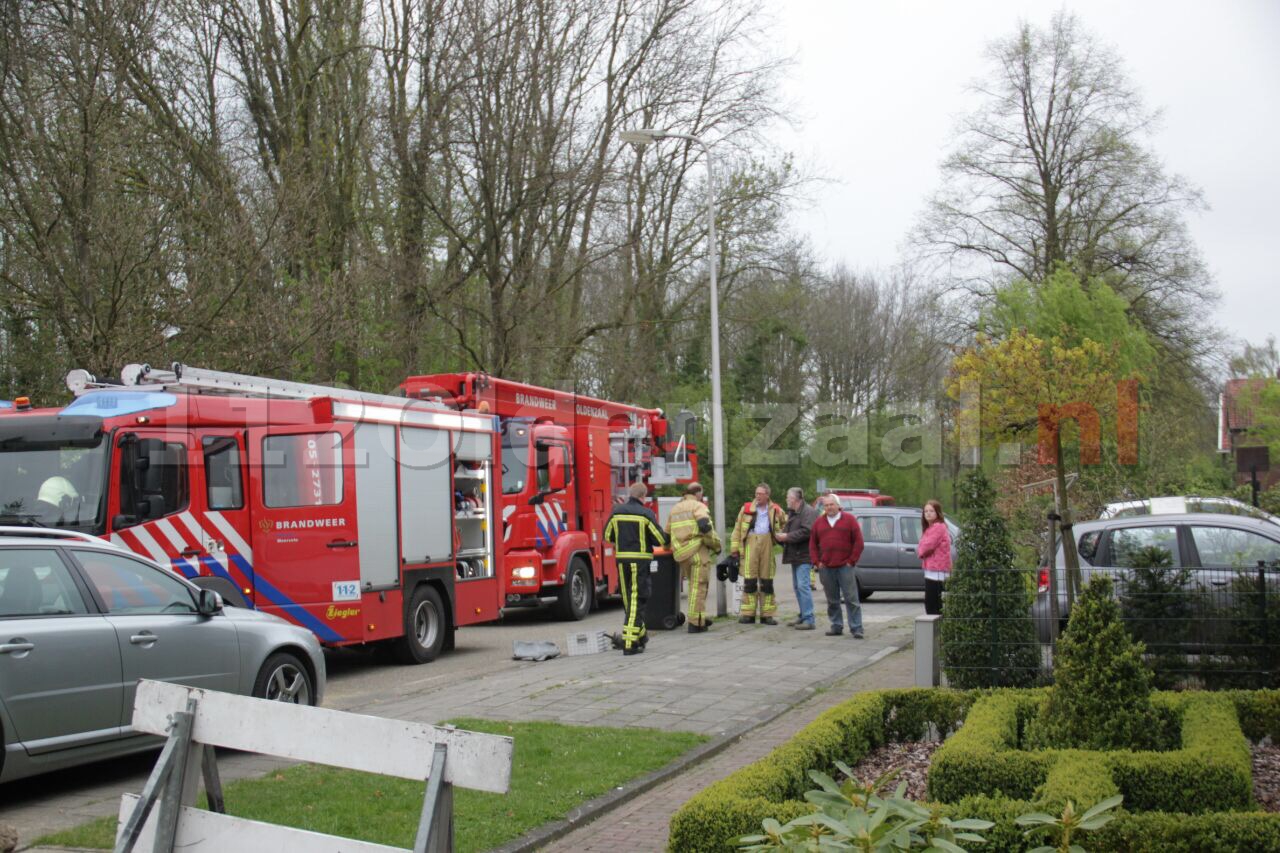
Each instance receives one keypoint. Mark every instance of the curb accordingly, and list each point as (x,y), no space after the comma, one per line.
(592,810)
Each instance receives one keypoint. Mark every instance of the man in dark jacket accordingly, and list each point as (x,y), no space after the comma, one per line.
(834,547)
(633,531)
(795,553)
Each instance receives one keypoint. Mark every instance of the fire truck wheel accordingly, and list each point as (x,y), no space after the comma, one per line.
(575,595)
(283,678)
(424,627)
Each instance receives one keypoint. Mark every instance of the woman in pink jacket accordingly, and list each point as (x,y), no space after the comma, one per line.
(934,549)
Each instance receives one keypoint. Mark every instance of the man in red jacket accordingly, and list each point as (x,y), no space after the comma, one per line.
(835,546)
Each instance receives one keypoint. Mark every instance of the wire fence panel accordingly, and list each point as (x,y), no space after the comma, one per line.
(1201,628)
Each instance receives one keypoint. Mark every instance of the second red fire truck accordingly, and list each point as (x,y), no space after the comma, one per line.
(563,460)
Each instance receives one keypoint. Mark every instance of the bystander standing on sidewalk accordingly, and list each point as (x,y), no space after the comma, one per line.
(934,549)
(795,553)
(834,547)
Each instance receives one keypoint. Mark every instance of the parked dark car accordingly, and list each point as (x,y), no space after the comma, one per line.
(81,621)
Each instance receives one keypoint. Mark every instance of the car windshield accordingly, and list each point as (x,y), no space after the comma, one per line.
(58,485)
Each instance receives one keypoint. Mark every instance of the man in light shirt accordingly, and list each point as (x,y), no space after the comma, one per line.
(754,533)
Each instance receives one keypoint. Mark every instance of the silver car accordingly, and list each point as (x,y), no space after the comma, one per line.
(1179,504)
(889,562)
(1212,547)
(81,621)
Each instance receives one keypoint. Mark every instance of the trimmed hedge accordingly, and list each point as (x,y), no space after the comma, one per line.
(1224,832)
(774,786)
(1209,771)
(1077,776)
(983,757)
(1259,712)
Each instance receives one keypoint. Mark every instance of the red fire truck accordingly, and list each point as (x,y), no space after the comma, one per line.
(365,518)
(563,460)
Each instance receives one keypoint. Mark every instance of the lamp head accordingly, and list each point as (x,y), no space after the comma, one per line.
(643,136)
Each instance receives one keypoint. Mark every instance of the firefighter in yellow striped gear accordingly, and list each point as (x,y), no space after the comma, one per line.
(633,531)
(754,533)
(693,541)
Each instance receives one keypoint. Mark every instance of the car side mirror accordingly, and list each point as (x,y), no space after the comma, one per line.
(150,507)
(208,602)
(1088,546)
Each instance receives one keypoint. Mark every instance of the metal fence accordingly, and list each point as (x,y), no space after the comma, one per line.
(1201,628)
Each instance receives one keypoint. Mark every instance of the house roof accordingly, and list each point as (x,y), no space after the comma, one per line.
(1236,408)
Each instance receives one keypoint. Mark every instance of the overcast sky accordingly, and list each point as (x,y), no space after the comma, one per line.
(877,87)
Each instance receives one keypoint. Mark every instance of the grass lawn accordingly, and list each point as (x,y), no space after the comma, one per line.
(555,768)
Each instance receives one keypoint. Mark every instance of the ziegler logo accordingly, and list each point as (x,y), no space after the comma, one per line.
(310,523)
(341,612)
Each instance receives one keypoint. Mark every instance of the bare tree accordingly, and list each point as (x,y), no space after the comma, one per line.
(1054,168)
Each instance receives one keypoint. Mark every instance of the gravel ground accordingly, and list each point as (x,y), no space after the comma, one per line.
(1266,775)
(910,758)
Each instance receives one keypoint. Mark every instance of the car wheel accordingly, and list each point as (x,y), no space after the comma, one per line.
(284,678)
(864,594)
(575,595)
(424,627)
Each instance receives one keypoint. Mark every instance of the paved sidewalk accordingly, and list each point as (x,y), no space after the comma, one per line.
(641,825)
(722,682)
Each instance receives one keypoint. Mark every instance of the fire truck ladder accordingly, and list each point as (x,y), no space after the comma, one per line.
(184,378)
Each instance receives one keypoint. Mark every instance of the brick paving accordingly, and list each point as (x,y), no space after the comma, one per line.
(640,826)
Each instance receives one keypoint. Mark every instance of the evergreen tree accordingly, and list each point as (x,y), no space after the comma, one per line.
(1101,698)
(1157,610)
(988,637)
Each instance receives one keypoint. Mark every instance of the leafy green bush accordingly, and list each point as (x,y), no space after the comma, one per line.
(853,816)
(1157,609)
(1101,698)
(988,637)
(1254,634)
(1069,824)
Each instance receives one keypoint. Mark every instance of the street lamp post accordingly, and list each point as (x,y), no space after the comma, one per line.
(640,138)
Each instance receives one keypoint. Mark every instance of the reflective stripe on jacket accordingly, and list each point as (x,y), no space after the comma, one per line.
(633,530)
(747,521)
(689,528)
